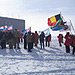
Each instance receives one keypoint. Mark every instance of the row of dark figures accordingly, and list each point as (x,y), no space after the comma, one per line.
(3,44)
(30,46)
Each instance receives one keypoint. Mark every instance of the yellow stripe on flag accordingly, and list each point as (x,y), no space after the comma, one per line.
(53,19)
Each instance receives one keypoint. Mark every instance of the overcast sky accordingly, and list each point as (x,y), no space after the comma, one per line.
(36,12)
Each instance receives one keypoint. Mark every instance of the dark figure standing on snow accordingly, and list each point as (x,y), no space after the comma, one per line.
(60,39)
(16,39)
(1,35)
(20,37)
(73,44)
(36,38)
(10,40)
(29,41)
(3,41)
(68,41)
(42,35)
(48,39)
(25,41)
(33,41)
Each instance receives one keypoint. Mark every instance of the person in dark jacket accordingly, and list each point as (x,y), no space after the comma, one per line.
(33,41)
(60,39)
(73,43)
(29,41)
(10,40)
(68,42)
(42,35)
(3,41)
(16,39)
(21,37)
(36,38)
(48,39)
(25,41)
(1,35)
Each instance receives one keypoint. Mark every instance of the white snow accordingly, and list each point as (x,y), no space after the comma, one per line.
(52,60)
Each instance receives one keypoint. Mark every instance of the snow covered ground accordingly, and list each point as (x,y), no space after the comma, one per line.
(52,60)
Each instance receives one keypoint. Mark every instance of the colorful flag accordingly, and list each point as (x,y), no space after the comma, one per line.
(59,24)
(57,28)
(67,28)
(53,20)
(51,24)
(26,30)
(3,28)
(29,29)
(10,27)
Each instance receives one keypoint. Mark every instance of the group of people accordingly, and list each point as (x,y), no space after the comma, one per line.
(32,39)
(69,41)
(12,38)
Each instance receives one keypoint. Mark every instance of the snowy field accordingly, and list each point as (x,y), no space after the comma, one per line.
(52,60)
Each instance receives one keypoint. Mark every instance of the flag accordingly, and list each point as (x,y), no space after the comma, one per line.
(46,32)
(26,30)
(53,20)
(3,28)
(10,27)
(51,24)
(59,24)
(67,28)
(57,28)
(29,29)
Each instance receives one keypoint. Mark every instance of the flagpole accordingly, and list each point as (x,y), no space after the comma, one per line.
(30,28)
(60,14)
(72,26)
(70,31)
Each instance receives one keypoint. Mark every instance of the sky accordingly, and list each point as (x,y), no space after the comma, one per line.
(36,12)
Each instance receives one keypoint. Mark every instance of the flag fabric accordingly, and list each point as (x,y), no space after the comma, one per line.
(51,24)
(3,28)
(29,29)
(57,28)
(53,20)
(26,30)
(56,23)
(46,32)
(67,28)
(59,25)
(10,27)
